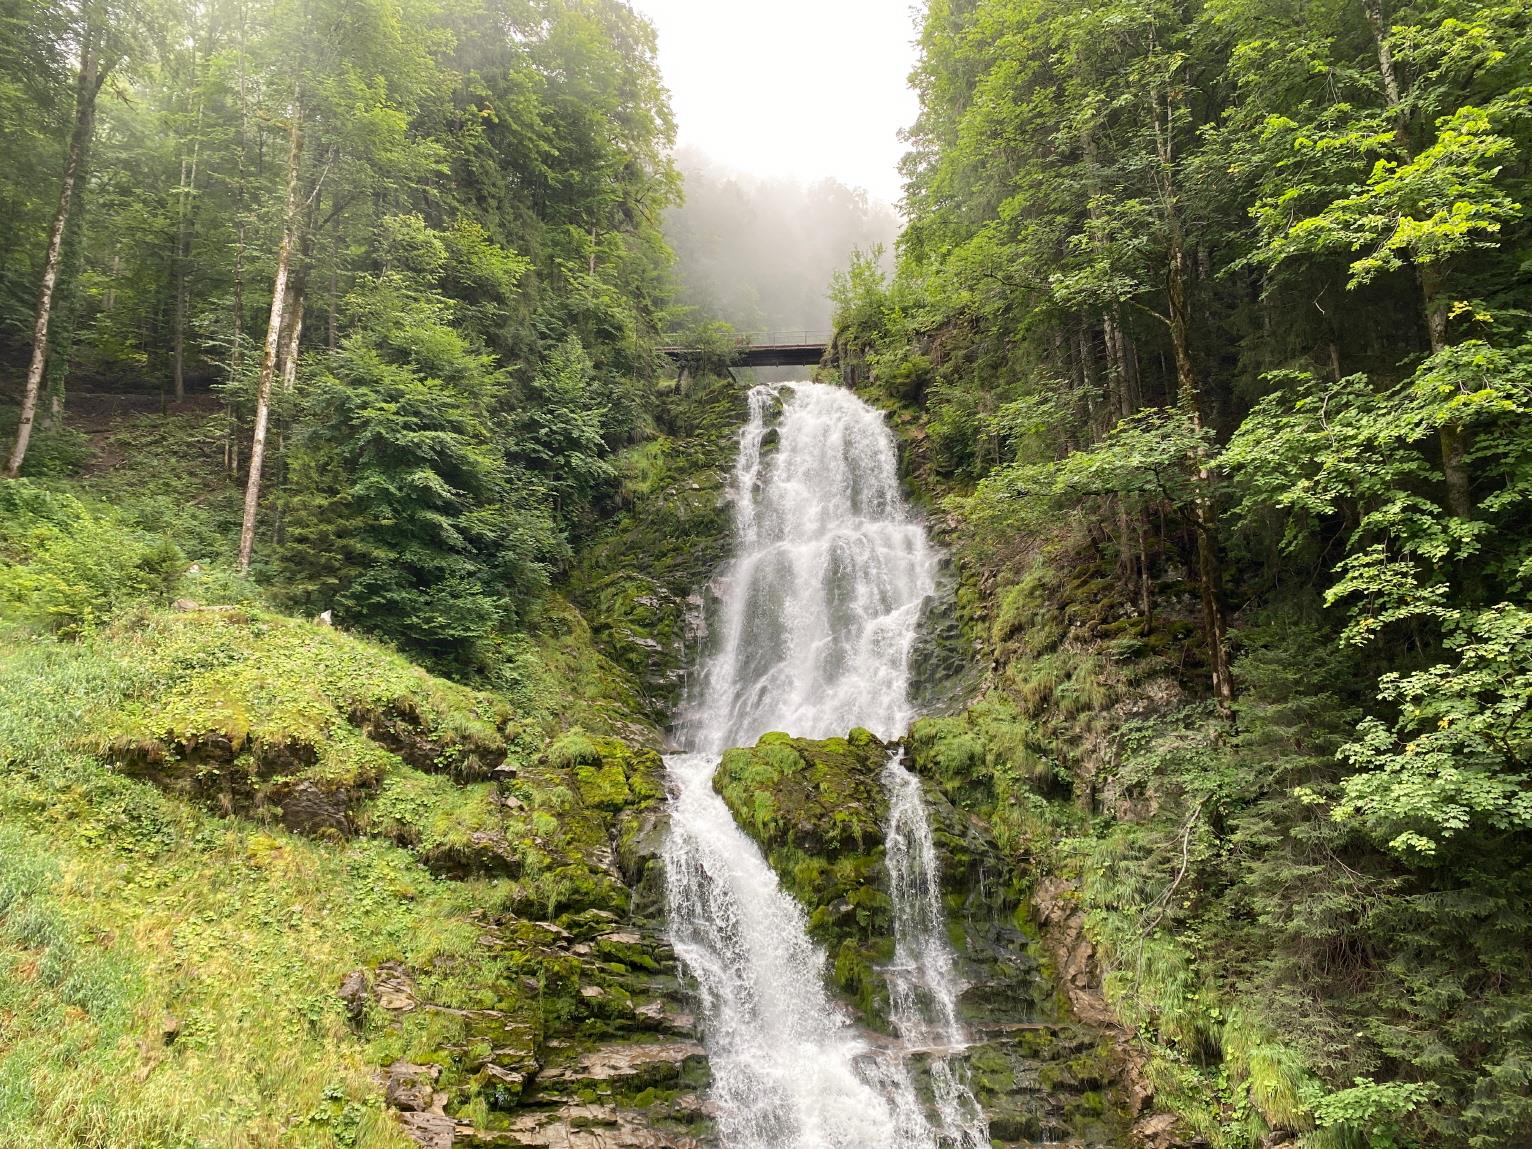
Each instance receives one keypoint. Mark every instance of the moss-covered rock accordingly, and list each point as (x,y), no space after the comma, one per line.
(560,968)
(258,714)
(640,577)
(821,798)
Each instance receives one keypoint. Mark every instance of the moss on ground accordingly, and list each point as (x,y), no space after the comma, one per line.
(171,950)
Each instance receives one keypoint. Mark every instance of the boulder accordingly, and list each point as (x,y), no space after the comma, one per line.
(355,990)
(411,1088)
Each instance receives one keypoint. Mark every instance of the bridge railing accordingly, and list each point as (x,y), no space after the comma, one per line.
(782,338)
(766,339)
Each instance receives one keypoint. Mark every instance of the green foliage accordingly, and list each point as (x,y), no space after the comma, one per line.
(69,569)
(1372,1109)
(265,683)
(558,431)
(1457,757)
(403,515)
(172,950)
(1219,309)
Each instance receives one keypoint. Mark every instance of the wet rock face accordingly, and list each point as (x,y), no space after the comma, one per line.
(411,1088)
(943,670)
(1042,1073)
(640,578)
(579,1035)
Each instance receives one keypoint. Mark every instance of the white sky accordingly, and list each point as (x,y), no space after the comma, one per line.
(802,88)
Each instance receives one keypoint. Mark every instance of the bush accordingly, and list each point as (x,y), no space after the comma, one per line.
(68,568)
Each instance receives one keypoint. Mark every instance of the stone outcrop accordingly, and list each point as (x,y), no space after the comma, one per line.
(582,1038)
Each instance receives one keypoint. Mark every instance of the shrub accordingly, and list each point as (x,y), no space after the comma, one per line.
(69,568)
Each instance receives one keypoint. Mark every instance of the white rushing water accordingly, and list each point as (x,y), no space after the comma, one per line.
(819,610)
(922,981)
(822,600)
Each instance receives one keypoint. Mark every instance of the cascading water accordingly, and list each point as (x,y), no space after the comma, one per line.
(822,601)
(922,982)
(819,610)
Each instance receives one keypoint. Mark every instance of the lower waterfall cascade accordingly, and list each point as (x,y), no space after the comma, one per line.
(818,611)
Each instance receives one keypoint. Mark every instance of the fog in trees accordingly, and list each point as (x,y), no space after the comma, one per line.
(759,252)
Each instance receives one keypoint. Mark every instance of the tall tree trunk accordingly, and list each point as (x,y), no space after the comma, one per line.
(1119,366)
(291,341)
(87,87)
(1085,340)
(273,341)
(1209,569)
(1386,69)
(1453,435)
(236,333)
(183,256)
(1162,103)
(293,338)
(332,322)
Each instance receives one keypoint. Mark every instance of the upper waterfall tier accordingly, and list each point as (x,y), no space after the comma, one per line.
(821,603)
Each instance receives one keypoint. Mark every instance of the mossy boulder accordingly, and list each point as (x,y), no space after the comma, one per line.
(822,798)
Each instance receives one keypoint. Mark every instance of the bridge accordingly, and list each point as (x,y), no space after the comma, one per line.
(762,349)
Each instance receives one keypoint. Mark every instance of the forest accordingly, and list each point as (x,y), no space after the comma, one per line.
(414,253)
(357,542)
(1210,331)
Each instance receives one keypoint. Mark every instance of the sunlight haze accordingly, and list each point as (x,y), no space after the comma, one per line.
(792,88)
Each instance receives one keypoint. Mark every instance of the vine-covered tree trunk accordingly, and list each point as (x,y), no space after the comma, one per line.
(88,86)
(273,340)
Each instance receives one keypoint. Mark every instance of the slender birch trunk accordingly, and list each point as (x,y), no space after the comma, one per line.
(273,341)
(88,86)
(183,255)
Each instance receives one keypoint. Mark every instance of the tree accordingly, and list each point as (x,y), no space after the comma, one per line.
(403,514)
(353,77)
(98,50)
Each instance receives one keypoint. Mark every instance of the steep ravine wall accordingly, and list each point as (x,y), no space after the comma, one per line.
(1024,737)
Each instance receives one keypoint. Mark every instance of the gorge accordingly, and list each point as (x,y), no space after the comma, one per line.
(448,702)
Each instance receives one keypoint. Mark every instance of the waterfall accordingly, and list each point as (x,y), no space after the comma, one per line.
(822,600)
(819,609)
(922,981)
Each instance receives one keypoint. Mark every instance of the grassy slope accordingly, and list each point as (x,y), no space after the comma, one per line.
(170,973)
(170,949)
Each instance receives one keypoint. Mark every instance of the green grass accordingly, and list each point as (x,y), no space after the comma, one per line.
(169,976)
(169,973)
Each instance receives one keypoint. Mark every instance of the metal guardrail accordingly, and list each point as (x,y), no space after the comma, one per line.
(767,339)
(782,338)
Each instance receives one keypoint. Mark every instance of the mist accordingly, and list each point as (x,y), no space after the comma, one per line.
(758,252)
